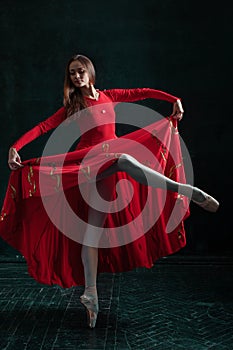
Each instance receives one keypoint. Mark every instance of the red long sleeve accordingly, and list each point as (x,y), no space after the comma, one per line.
(50,123)
(116,95)
(131,95)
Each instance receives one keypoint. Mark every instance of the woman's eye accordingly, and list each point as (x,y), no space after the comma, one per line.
(79,72)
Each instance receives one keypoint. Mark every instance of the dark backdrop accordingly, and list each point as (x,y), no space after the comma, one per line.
(182,47)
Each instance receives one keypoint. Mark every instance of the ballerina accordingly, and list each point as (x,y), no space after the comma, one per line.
(80,93)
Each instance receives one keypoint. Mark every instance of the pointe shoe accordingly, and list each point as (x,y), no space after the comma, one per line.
(210,204)
(92,308)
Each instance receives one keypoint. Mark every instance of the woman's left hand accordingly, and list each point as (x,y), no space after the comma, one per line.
(178,110)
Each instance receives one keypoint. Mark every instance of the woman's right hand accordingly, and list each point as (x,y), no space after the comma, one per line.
(14,160)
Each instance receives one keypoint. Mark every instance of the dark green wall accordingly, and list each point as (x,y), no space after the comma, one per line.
(178,46)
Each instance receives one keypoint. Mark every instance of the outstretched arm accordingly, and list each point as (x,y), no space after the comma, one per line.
(131,95)
(52,122)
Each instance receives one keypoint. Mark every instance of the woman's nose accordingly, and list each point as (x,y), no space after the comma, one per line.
(77,75)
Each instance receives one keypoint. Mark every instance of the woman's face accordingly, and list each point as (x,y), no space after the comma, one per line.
(79,75)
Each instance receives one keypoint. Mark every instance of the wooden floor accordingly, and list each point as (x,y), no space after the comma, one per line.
(176,305)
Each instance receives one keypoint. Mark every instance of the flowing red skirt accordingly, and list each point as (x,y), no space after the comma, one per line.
(35,221)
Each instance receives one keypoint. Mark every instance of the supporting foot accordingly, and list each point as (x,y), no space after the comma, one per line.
(92,308)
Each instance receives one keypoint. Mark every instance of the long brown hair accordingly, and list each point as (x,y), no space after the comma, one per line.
(73,98)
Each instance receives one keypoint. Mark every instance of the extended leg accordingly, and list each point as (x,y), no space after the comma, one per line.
(150,177)
(147,176)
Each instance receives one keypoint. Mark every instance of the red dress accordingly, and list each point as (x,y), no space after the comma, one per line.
(135,239)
